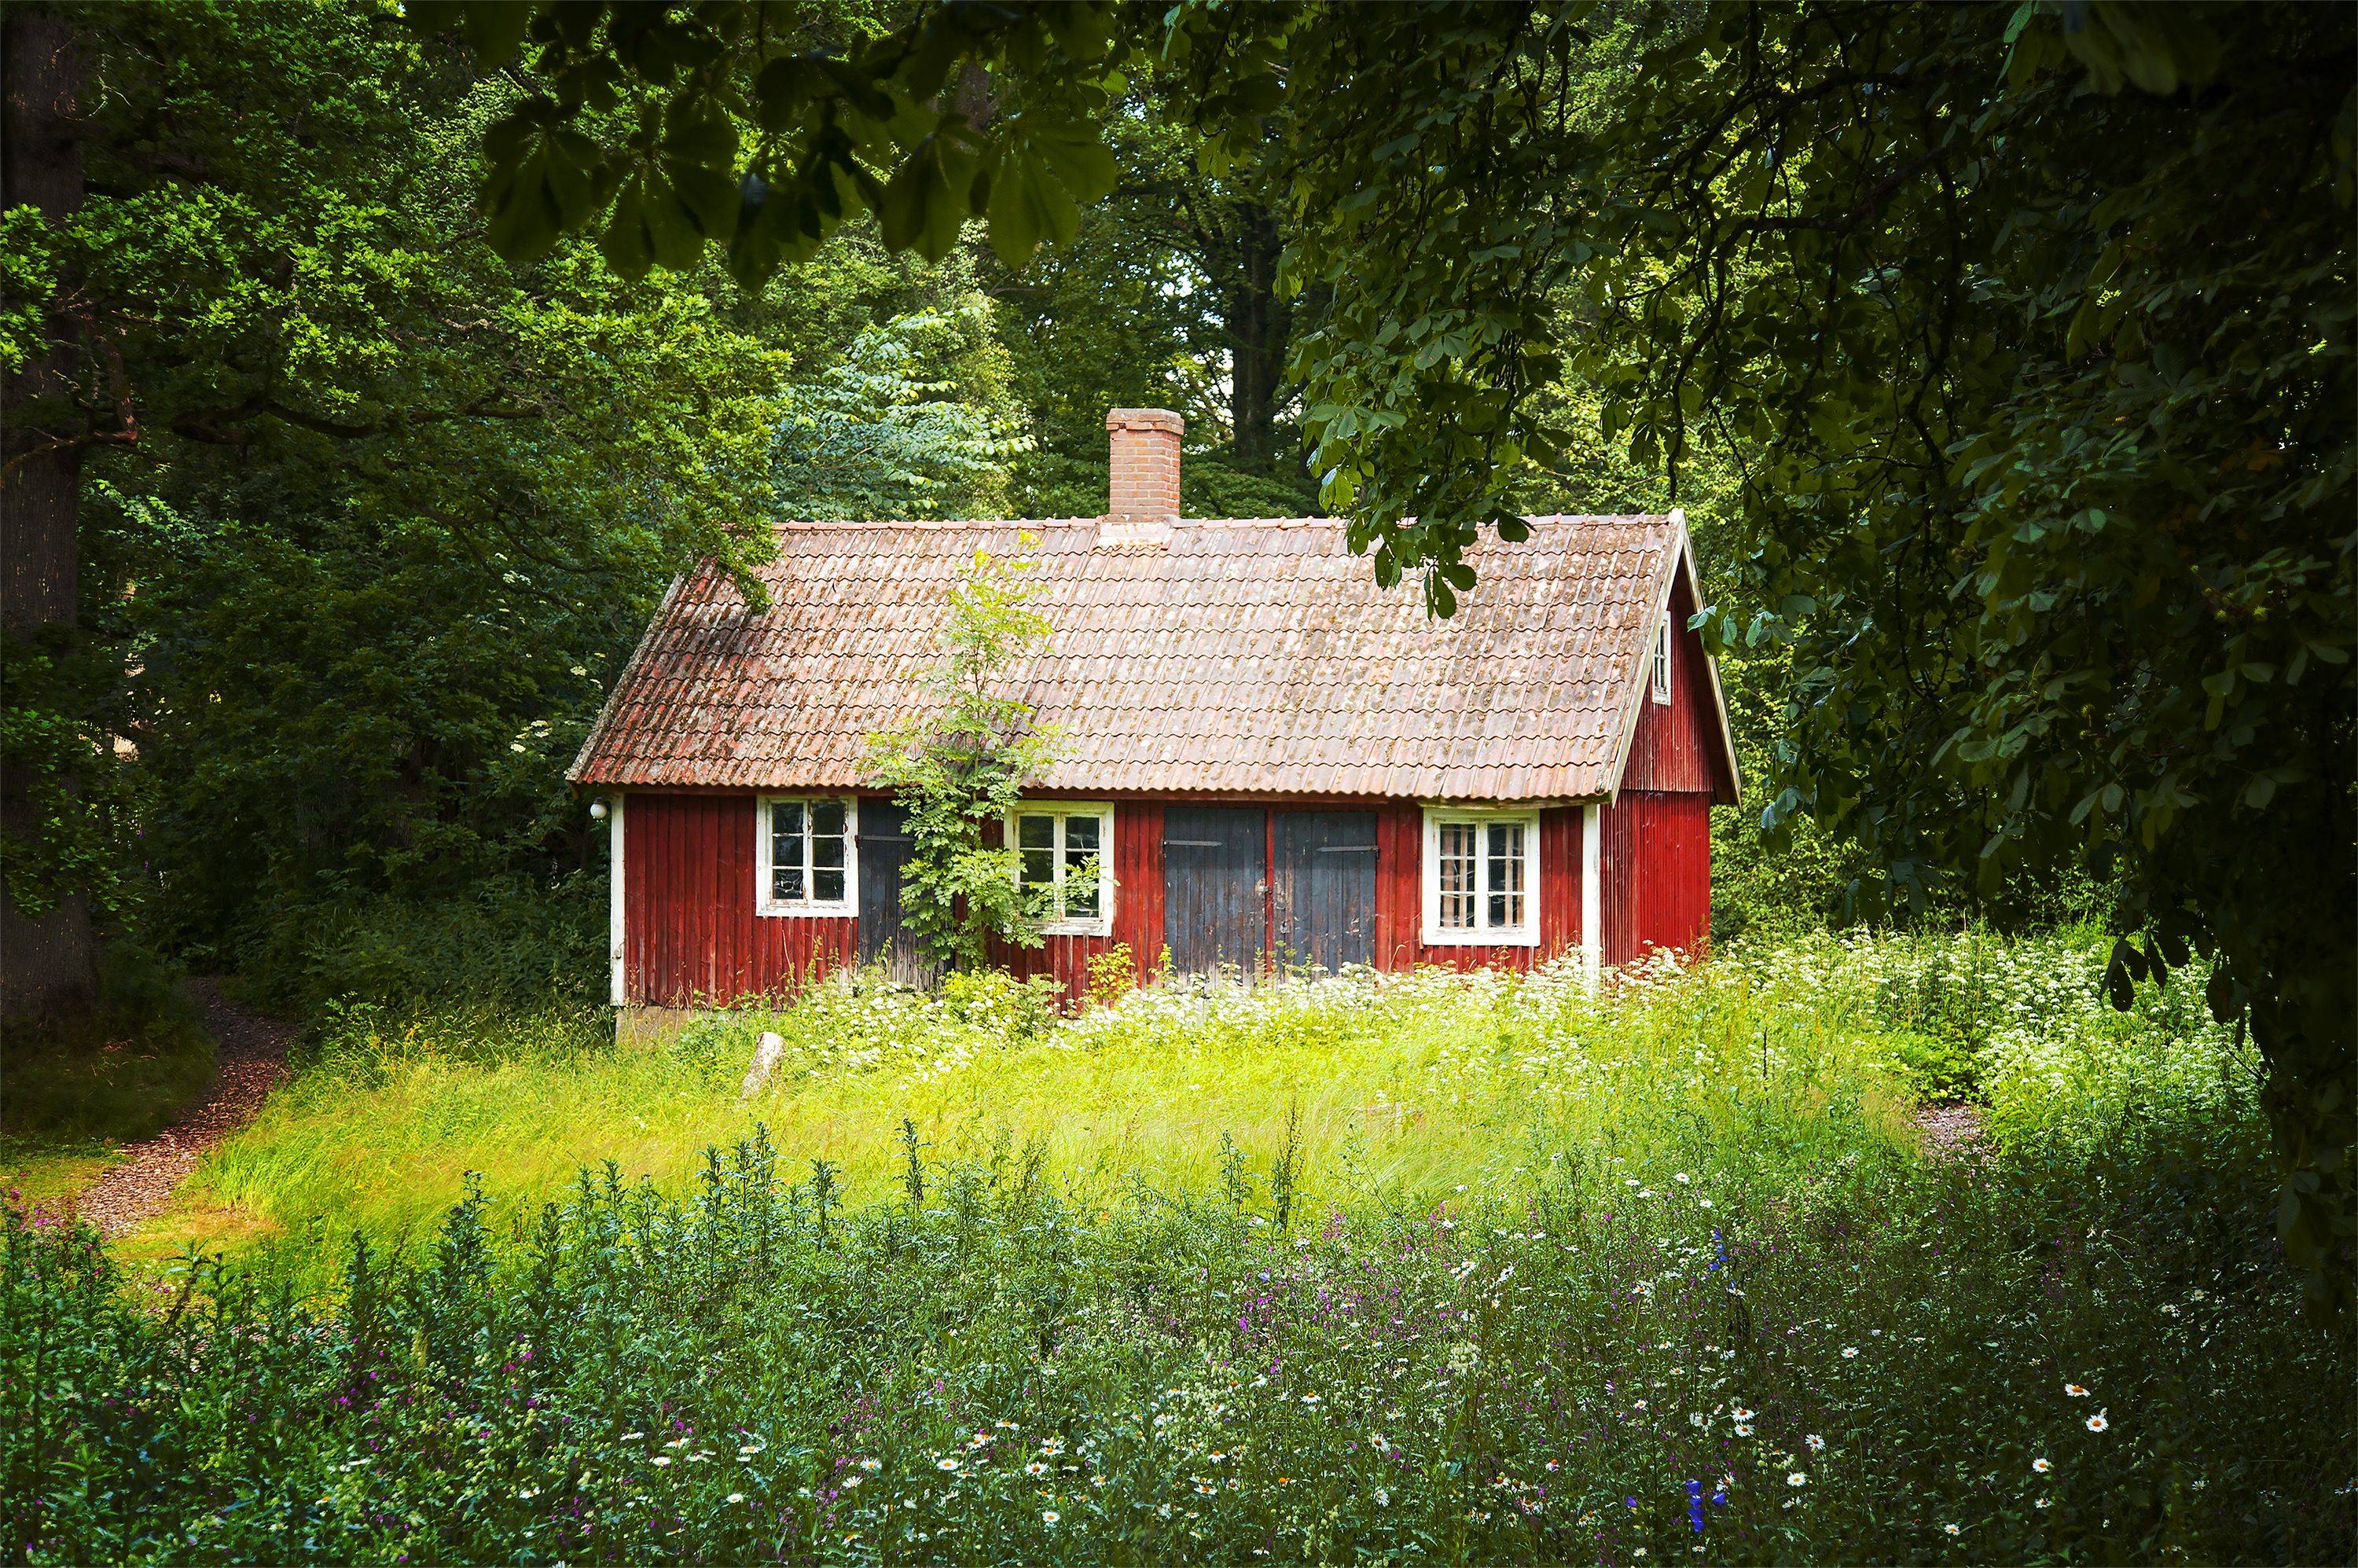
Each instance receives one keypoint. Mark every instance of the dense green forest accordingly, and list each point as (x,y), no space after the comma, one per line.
(387,515)
(368,380)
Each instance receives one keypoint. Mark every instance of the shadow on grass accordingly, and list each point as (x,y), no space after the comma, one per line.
(70,1095)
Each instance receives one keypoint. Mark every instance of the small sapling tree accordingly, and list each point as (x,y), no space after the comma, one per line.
(961,762)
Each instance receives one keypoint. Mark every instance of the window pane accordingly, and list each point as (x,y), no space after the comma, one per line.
(1505,874)
(826,852)
(1039,868)
(787,851)
(1035,832)
(1081,867)
(1458,843)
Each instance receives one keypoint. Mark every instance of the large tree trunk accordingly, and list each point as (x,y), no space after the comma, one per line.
(47,961)
(1259,324)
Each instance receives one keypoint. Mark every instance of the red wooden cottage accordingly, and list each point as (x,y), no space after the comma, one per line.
(1261,756)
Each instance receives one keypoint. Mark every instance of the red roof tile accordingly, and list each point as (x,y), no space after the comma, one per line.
(1238,657)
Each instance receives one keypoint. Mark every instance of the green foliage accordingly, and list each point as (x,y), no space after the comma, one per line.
(57,751)
(395,511)
(675,131)
(904,425)
(959,766)
(2045,450)
(1678,1275)
(1048,484)
(2060,579)
(120,1073)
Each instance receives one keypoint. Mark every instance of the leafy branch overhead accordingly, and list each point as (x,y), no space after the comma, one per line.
(762,129)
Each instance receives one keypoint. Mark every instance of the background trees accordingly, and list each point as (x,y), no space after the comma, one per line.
(2018,343)
(2027,332)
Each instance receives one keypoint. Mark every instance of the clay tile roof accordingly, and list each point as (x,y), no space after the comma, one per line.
(1248,657)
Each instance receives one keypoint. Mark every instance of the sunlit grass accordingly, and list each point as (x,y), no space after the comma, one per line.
(1466,1268)
(1399,1089)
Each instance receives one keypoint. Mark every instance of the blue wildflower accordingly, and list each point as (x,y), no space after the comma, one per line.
(1694,1505)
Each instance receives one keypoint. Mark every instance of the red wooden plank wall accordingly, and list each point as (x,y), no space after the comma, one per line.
(1656,873)
(690,934)
(1137,908)
(1677,746)
(1399,895)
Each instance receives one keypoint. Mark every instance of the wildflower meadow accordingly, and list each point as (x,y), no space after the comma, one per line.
(1334,1269)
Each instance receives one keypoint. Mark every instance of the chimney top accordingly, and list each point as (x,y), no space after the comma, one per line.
(1142,499)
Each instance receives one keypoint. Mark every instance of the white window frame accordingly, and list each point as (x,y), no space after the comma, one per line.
(806,909)
(1101,925)
(1660,675)
(1526,935)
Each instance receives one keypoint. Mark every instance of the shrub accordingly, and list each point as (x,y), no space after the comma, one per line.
(120,1074)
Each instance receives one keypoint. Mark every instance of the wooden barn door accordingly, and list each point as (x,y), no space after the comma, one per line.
(883,850)
(1326,891)
(1214,881)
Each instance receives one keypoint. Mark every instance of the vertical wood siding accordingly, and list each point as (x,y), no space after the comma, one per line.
(1137,908)
(1676,746)
(1656,872)
(690,936)
(1215,887)
(1322,886)
(1400,896)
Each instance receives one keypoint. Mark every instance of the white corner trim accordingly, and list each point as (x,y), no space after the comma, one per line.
(1431,933)
(1591,893)
(763,905)
(1060,809)
(616,903)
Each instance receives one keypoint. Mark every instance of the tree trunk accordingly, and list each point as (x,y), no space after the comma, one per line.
(48,962)
(1259,325)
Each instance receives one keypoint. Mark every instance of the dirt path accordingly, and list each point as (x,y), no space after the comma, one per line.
(252,1056)
(1951,1126)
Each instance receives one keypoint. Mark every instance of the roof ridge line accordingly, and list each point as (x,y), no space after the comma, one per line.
(946,525)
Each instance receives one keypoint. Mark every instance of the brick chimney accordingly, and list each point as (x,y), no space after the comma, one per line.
(1145,494)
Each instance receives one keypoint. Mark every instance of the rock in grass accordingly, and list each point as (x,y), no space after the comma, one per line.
(765,1061)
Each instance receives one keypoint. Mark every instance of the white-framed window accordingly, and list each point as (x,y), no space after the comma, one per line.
(806,854)
(1481,877)
(1661,673)
(1064,854)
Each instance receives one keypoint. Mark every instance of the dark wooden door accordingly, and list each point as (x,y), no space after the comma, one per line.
(883,852)
(1215,885)
(1325,893)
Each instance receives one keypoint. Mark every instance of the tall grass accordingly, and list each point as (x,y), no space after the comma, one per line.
(1397,1089)
(1421,1267)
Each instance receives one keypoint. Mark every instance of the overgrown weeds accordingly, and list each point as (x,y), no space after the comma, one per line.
(1394,1266)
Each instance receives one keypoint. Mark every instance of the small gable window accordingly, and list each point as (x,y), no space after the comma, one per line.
(1663,658)
(803,855)
(1481,877)
(1064,865)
